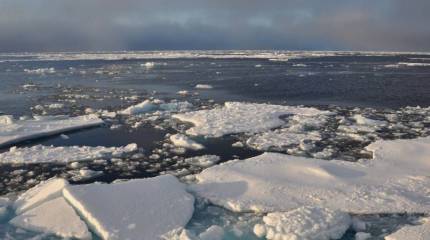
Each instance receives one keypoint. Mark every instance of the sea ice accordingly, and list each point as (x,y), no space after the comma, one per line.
(14,131)
(203,86)
(395,180)
(203,161)
(237,117)
(43,154)
(310,223)
(39,194)
(181,140)
(135,209)
(55,216)
(142,107)
(419,232)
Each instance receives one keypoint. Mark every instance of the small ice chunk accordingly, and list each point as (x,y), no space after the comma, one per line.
(311,223)
(181,140)
(203,161)
(55,216)
(55,105)
(361,120)
(20,130)
(154,206)
(203,86)
(148,65)
(39,194)
(142,107)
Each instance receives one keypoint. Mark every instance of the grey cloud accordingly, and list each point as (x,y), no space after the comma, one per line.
(64,25)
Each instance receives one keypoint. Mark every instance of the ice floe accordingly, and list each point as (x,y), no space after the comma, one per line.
(311,223)
(13,131)
(395,180)
(181,140)
(56,217)
(418,232)
(203,161)
(203,86)
(236,117)
(136,209)
(142,107)
(47,154)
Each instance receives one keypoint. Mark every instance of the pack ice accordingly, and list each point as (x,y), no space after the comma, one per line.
(419,232)
(13,131)
(395,180)
(135,209)
(46,154)
(237,117)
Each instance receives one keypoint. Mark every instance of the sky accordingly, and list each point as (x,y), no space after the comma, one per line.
(94,25)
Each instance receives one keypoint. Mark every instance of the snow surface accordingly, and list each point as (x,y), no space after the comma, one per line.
(237,117)
(181,140)
(14,131)
(136,209)
(44,154)
(310,223)
(395,180)
(419,232)
(55,216)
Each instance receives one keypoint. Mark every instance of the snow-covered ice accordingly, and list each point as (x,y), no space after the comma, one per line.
(142,107)
(311,223)
(395,180)
(13,131)
(43,154)
(56,217)
(237,117)
(418,232)
(136,209)
(39,194)
(181,140)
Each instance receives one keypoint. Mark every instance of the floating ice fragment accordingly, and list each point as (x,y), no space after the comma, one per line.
(203,161)
(43,154)
(142,107)
(14,131)
(181,140)
(203,86)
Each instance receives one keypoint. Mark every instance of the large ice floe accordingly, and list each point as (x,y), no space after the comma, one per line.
(49,154)
(237,117)
(13,131)
(134,209)
(395,180)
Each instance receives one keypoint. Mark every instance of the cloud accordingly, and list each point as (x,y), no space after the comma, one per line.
(63,25)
